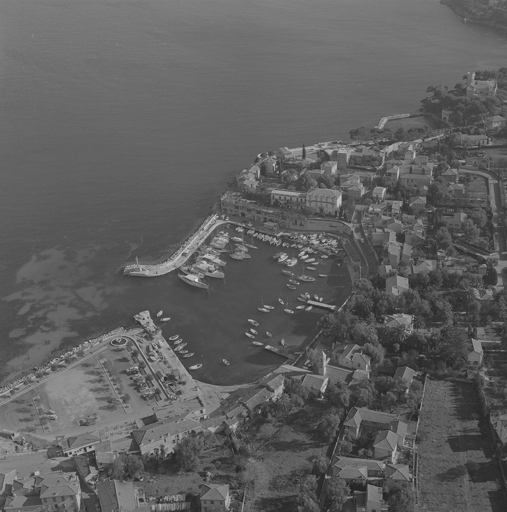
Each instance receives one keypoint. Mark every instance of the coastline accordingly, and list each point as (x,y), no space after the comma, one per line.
(470,17)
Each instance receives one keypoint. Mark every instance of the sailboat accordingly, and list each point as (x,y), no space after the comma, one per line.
(287,309)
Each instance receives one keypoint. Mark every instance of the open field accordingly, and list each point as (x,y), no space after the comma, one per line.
(414,122)
(450,436)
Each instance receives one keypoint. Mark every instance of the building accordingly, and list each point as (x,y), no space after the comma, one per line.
(397,474)
(396,285)
(400,320)
(44,492)
(457,189)
(385,446)
(450,175)
(473,141)
(359,418)
(351,357)
(119,496)
(379,193)
(215,498)
(484,88)
(77,445)
(316,384)
(370,500)
(405,374)
(330,168)
(353,190)
(476,356)
(374,468)
(424,266)
(495,123)
(418,204)
(324,200)
(164,435)
(416,181)
(454,222)
(289,198)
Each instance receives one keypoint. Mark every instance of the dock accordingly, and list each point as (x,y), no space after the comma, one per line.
(317,304)
(182,254)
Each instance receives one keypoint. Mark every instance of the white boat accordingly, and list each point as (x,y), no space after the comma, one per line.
(165,319)
(195,366)
(291,287)
(300,299)
(226,362)
(316,297)
(236,256)
(277,255)
(160,313)
(287,272)
(251,246)
(283,343)
(268,307)
(242,248)
(268,334)
(250,335)
(253,331)
(292,281)
(186,356)
(237,239)
(305,278)
(264,310)
(192,270)
(282,257)
(175,337)
(291,262)
(193,281)
(304,256)
(178,341)
(324,256)
(311,268)
(310,260)
(245,255)
(322,275)
(253,322)
(287,310)
(281,301)
(309,308)
(183,351)
(258,343)
(300,307)
(214,259)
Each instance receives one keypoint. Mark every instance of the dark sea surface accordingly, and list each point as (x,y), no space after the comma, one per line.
(121,122)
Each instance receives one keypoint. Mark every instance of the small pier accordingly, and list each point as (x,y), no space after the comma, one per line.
(317,304)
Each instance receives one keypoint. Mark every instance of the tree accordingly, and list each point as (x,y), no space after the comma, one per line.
(343,447)
(478,217)
(336,493)
(320,465)
(328,426)
(115,469)
(401,499)
(376,352)
(453,346)
(187,452)
(307,498)
(133,465)
(491,276)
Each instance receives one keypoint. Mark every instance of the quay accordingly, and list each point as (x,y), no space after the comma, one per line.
(183,253)
(317,304)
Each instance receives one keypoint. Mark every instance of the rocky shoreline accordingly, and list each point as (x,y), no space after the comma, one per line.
(472,17)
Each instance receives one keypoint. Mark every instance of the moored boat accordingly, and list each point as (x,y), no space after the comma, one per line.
(165,319)
(322,275)
(268,334)
(287,272)
(309,308)
(310,268)
(264,310)
(193,280)
(253,331)
(195,366)
(160,313)
(253,322)
(250,335)
(268,307)
(258,343)
(281,301)
(175,337)
(186,356)
(226,362)
(291,287)
(287,310)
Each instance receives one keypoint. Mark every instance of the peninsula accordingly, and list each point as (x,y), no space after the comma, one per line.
(398,404)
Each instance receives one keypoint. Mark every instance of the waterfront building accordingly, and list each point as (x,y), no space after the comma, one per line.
(289,198)
(324,200)
(76,445)
(330,168)
(484,88)
(450,175)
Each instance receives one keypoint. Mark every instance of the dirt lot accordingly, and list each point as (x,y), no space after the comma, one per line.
(451,437)
(413,122)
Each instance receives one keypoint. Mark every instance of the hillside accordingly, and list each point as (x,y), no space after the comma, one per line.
(492,13)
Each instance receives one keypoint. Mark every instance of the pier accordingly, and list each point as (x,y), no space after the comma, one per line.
(317,304)
(183,253)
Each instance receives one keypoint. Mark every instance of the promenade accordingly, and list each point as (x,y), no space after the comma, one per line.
(183,253)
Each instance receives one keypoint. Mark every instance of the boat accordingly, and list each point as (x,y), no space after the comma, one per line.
(287,272)
(253,331)
(193,281)
(258,343)
(253,322)
(183,351)
(283,343)
(264,310)
(160,313)
(268,334)
(307,295)
(305,278)
(292,281)
(250,335)
(300,307)
(214,259)
(237,239)
(277,255)
(177,342)
(310,260)
(268,307)
(242,248)
(165,319)
(236,255)
(316,297)
(186,356)
(304,256)
(226,362)
(195,366)
(251,246)
(291,262)
(175,337)
(309,308)
(281,301)
(300,299)
(245,255)
(181,346)
(311,268)
(322,275)
(287,310)
(283,257)
(291,287)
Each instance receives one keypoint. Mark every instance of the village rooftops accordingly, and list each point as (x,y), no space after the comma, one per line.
(398,472)
(214,492)
(375,466)
(78,442)
(477,346)
(386,440)
(406,374)
(169,427)
(358,415)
